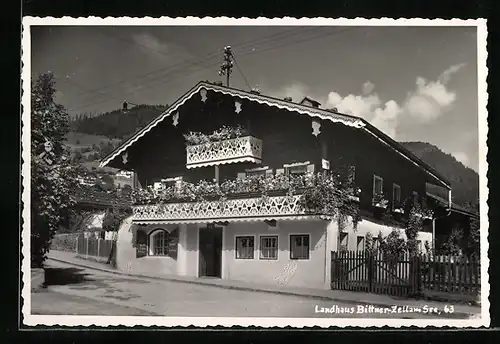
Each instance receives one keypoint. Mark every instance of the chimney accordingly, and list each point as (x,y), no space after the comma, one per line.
(310,102)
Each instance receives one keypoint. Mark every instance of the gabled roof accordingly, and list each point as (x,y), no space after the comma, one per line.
(454,207)
(314,112)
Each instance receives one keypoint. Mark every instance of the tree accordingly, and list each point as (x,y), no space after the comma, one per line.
(53,178)
(474,236)
(114,217)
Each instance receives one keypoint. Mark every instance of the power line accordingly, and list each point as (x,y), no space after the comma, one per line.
(241,72)
(209,56)
(191,72)
(132,42)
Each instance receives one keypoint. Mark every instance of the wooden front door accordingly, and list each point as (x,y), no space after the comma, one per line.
(210,248)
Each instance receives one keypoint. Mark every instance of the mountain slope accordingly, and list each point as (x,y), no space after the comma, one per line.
(464,181)
(118,123)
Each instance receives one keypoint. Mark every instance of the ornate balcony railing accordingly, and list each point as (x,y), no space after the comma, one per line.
(240,208)
(241,149)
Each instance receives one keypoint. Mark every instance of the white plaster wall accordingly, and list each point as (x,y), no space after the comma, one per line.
(127,261)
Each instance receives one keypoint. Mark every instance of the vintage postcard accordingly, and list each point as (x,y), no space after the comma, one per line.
(254,172)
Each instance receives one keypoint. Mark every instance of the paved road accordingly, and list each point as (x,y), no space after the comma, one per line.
(78,291)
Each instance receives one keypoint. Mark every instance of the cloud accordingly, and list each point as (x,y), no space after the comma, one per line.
(150,44)
(424,104)
(368,87)
(431,99)
(444,78)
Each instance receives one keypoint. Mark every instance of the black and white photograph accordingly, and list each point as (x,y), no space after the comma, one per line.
(254,172)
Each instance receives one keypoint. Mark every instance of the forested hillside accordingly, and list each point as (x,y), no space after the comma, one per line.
(464,180)
(117,124)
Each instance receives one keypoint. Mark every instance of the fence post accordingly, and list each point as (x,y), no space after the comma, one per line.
(98,249)
(76,246)
(87,249)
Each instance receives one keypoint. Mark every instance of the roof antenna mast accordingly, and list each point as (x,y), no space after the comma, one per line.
(227,65)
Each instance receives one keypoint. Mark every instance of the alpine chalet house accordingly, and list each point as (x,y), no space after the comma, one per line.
(238,185)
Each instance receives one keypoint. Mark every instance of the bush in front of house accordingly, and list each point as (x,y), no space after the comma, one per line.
(64,242)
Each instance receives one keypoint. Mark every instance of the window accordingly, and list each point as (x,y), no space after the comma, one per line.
(244,247)
(419,245)
(378,185)
(158,241)
(351,174)
(260,171)
(344,241)
(299,246)
(396,195)
(360,243)
(415,198)
(299,168)
(269,247)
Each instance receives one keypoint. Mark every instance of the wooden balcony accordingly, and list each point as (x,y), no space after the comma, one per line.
(241,149)
(234,209)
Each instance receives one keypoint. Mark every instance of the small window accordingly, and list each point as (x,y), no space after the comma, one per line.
(299,168)
(344,241)
(269,247)
(415,198)
(299,246)
(419,245)
(351,174)
(158,243)
(260,171)
(245,247)
(360,243)
(396,195)
(378,185)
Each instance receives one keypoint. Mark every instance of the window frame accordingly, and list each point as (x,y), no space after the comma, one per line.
(414,198)
(289,169)
(269,236)
(290,237)
(236,247)
(363,240)
(151,241)
(394,188)
(375,178)
(344,236)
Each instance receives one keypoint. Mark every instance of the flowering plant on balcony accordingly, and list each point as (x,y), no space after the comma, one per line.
(329,196)
(221,134)
(320,194)
(380,201)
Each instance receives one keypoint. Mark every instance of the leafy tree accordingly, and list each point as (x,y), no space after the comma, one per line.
(453,245)
(53,178)
(114,217)
(474,237)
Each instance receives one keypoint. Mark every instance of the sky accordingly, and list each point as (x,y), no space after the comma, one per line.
(413,83)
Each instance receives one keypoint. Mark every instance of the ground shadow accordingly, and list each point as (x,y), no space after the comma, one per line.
(65,276)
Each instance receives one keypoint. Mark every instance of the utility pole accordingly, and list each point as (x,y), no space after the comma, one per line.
(227,65)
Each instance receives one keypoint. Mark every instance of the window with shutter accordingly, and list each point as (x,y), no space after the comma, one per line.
(141,247)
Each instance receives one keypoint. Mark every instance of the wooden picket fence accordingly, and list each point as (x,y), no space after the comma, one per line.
(404,275)
(97,249)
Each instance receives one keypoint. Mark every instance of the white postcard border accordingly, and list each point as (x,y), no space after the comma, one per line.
(129,321)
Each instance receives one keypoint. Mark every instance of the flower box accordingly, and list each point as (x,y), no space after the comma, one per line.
(241,149)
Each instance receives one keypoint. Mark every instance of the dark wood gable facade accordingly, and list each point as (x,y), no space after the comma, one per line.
(287,137)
